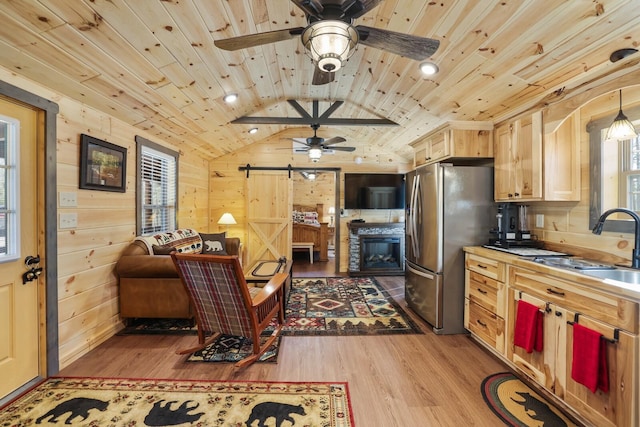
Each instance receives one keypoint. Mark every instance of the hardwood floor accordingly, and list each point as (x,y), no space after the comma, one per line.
(394,380)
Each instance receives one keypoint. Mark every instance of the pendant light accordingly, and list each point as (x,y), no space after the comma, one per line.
(621,128)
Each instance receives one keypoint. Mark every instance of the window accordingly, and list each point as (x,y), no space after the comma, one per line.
(157,184)
(630,174)
(9,137)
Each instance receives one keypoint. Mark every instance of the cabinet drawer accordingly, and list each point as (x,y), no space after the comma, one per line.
(485,266)
(483,323)
(618,312)
(483,290)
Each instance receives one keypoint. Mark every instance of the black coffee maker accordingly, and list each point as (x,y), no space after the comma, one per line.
(513,227)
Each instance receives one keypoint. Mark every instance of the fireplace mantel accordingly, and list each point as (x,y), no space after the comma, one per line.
(362,230)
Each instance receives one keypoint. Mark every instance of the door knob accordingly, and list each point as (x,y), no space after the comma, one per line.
(31,260)
(33,269)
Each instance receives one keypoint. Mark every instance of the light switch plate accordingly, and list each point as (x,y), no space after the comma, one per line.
(539,220)
(68,199)
(68,220)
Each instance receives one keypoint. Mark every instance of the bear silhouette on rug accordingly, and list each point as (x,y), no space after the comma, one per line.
(541,411)
(163,415)
(280,411)
(78,406)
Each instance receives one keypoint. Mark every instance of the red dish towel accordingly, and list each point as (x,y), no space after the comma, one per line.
(528,332)
(589,366)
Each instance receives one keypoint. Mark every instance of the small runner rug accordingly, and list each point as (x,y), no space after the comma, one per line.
(518,405)
(231,348)
(129,402)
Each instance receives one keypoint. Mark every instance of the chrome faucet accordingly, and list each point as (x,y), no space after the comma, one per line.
(597,229)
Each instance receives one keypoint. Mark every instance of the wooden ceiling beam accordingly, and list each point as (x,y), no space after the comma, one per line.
(307,121)
(314,117)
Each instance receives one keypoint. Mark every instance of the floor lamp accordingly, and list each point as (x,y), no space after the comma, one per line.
(227,219)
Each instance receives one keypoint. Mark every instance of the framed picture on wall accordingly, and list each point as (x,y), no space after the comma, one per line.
(103,166)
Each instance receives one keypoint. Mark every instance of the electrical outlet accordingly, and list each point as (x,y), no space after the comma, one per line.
(68,220)
(68,199)
(539,220)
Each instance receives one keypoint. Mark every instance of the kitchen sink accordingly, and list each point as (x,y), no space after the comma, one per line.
(618,274)
(573,263)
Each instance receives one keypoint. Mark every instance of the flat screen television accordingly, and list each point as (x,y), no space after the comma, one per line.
(373,191)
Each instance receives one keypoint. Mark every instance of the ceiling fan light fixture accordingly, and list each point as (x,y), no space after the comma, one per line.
(429,68)
(315,154)
(621,128)
(329,43)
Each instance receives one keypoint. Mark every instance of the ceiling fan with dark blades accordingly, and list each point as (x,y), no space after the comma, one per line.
(316,145)
(330,37)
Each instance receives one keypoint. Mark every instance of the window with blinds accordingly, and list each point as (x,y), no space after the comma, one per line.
(157,188)
(630,174)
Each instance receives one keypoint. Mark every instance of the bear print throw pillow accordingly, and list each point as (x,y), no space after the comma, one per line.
(214,244)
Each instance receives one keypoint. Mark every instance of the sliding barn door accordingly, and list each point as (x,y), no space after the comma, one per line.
(269,204)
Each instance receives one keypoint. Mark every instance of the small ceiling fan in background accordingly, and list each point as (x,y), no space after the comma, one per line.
(315,146)
(330,37)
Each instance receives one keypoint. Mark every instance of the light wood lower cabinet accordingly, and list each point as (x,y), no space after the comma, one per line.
(484,296)
(539,366)
(564,303)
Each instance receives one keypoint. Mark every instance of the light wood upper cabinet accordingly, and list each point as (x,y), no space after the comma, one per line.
(518,159)
(530,165)
(562,161)
(459,139)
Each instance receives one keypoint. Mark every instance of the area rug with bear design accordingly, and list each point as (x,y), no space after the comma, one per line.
(111,402)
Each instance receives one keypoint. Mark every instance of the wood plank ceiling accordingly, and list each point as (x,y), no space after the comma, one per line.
(153,64)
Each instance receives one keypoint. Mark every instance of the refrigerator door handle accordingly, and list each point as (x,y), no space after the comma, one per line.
(421,273)
(415,214)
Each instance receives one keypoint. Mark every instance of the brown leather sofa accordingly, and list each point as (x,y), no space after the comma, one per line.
(150,286)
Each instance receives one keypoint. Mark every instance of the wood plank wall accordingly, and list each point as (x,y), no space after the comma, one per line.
(87,283)
(568,223)
(227,183)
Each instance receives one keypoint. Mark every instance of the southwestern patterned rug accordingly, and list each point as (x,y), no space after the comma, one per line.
(129,402)
(343,306)
(319,306)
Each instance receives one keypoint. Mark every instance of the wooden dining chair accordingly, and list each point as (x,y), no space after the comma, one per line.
(225,304)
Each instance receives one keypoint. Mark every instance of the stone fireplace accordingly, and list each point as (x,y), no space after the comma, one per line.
(376,248)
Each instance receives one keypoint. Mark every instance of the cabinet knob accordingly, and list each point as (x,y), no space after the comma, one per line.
(517,194)
(509,195)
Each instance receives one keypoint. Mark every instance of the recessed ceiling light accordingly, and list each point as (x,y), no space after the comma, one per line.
(429,68)
(232,97)
(253,130)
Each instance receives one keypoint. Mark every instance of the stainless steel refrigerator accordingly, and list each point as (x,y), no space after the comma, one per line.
(448,207)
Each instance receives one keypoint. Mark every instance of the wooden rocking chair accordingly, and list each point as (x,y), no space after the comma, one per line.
(224,304)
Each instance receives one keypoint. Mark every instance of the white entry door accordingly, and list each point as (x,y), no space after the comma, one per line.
(19,325)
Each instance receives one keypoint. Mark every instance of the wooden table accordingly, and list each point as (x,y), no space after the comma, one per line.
(263,270)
